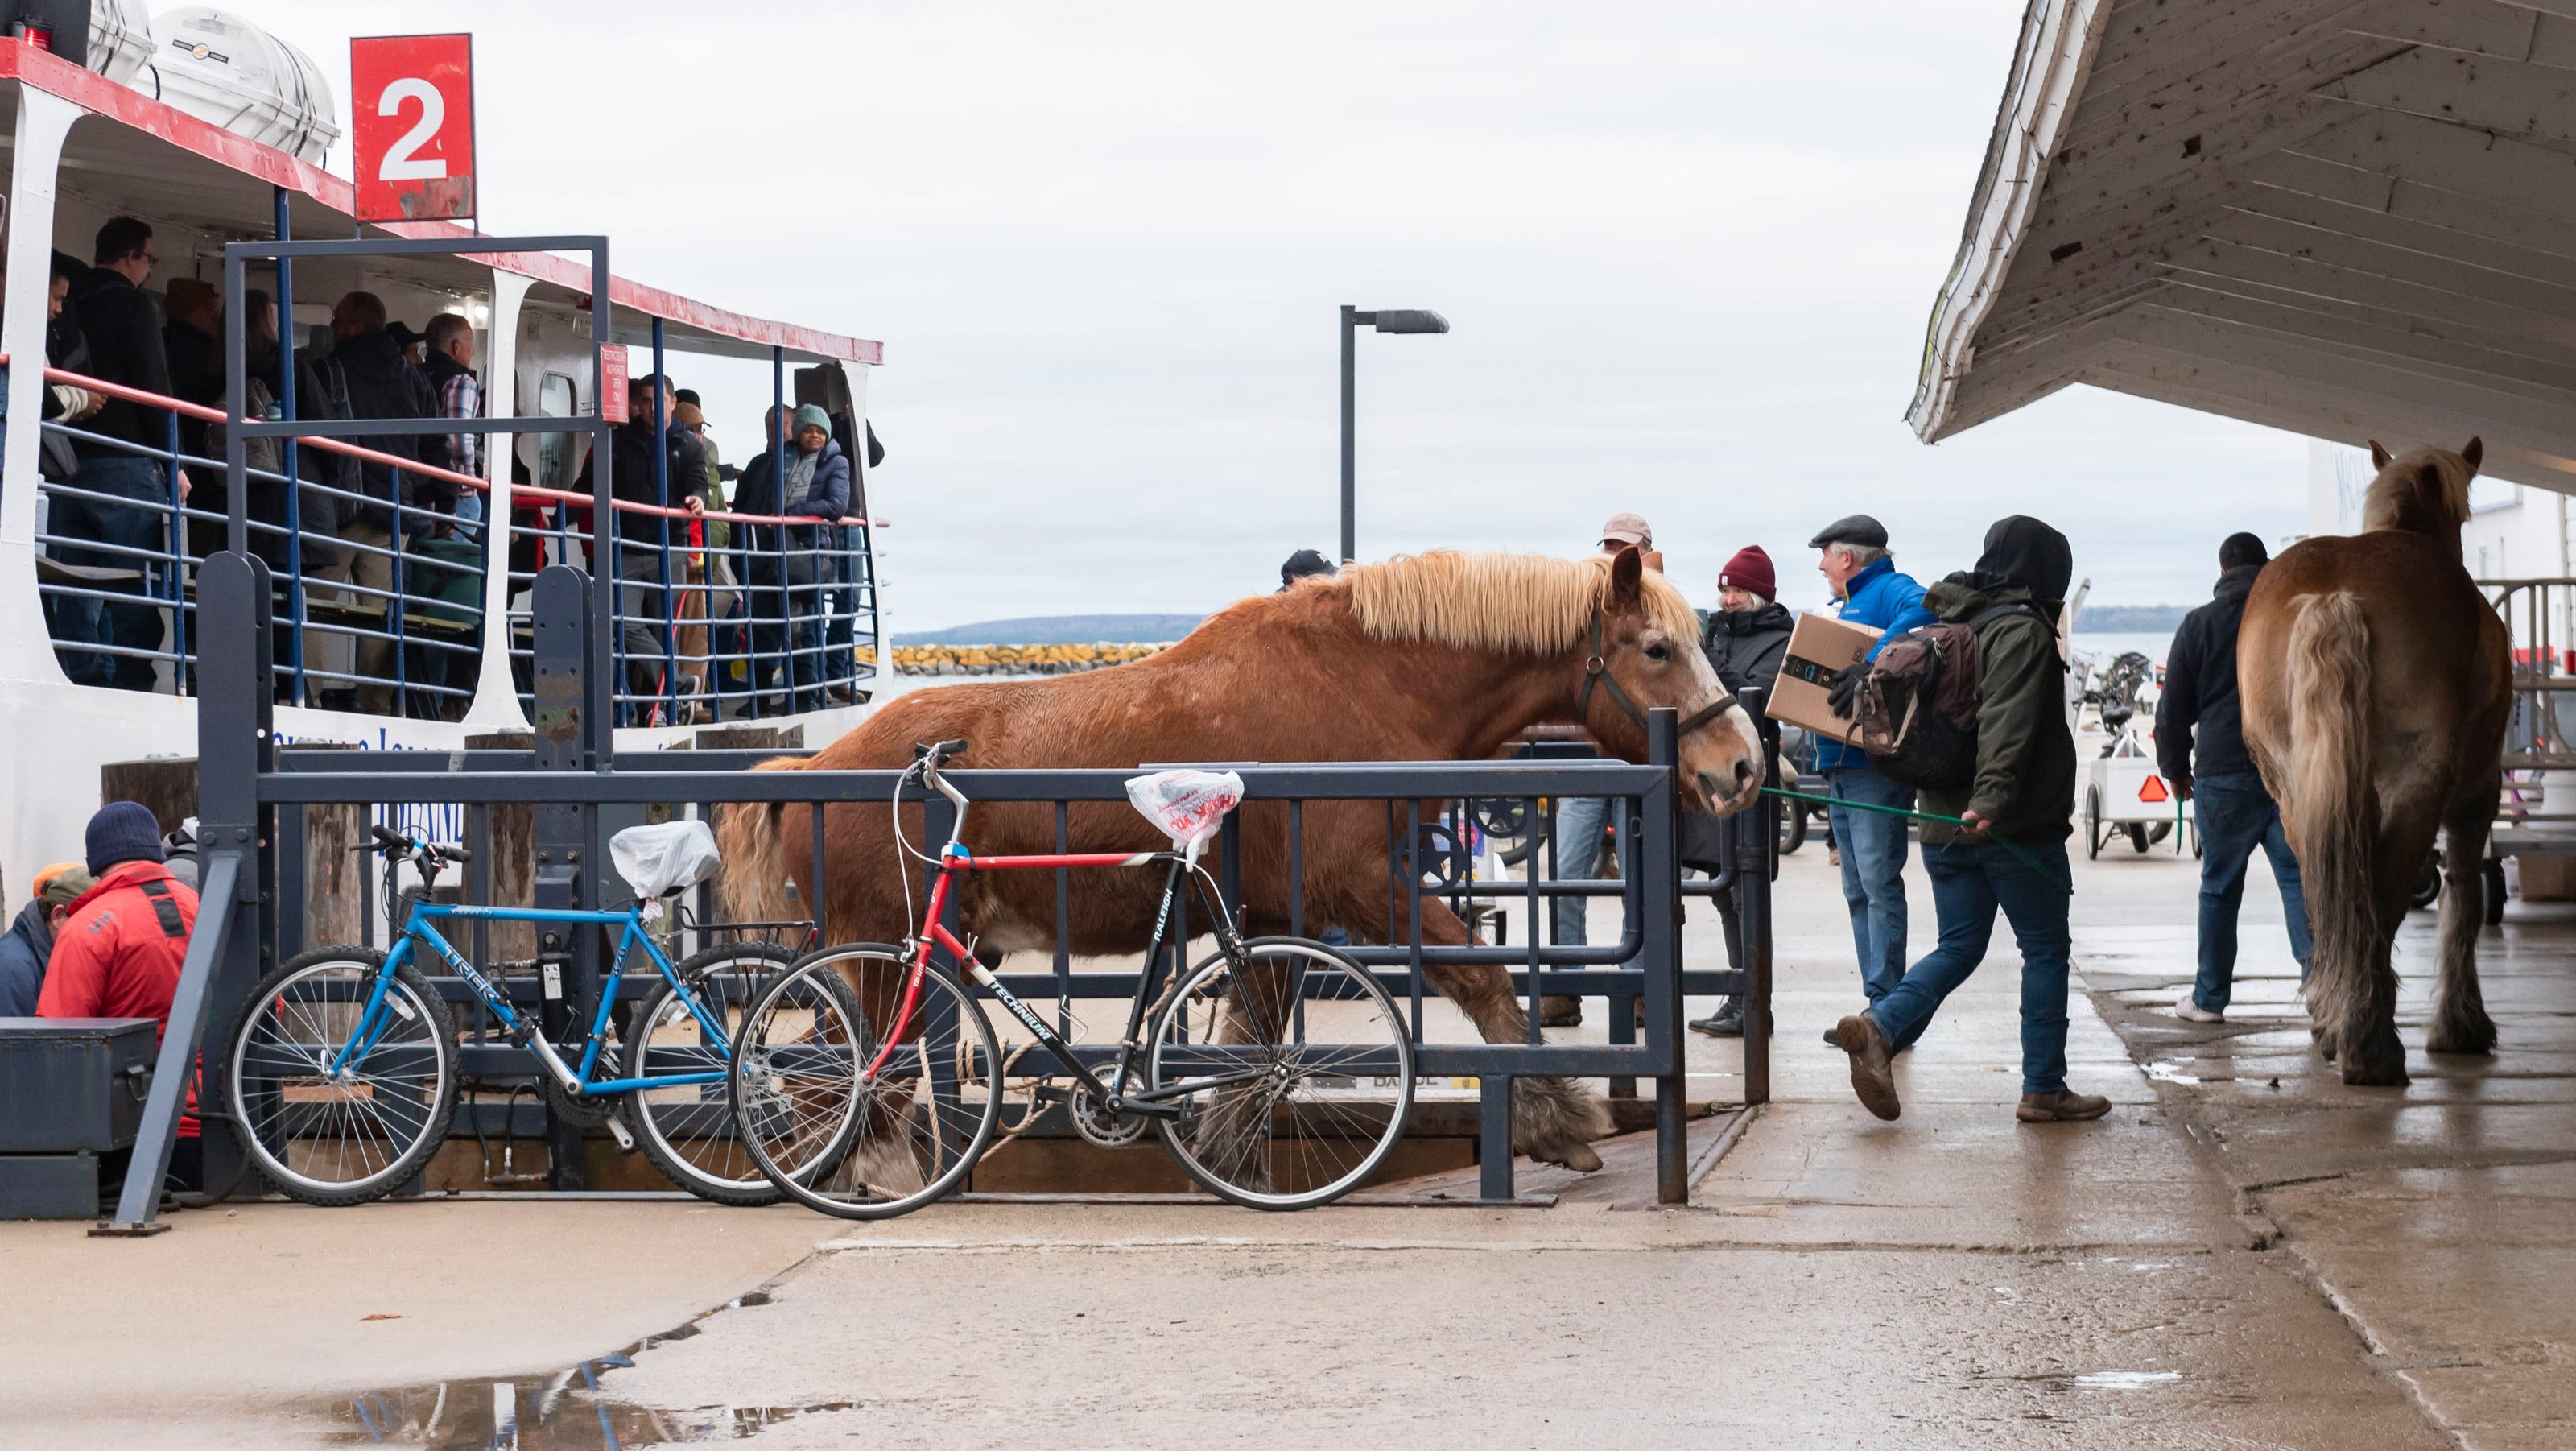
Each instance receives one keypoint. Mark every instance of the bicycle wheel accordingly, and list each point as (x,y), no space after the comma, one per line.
(802,1095)
(687,1129)
(1331,1066)
(346,1135)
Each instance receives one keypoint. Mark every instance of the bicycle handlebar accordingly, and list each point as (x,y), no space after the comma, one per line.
(392,842)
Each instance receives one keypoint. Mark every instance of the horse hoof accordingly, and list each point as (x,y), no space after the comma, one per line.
(2471,1040)
(2375,1070)
(1560,1012)
(1578,1157)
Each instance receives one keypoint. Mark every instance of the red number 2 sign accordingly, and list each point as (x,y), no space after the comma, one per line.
(411,102)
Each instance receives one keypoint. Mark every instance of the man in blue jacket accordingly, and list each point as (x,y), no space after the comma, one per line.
(1862,574)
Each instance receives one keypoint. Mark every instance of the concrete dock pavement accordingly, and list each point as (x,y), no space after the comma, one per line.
(2217,1263)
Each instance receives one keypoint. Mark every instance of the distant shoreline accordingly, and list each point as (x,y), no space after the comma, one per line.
(2129,619)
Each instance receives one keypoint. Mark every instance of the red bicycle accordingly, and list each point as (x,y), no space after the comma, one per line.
(1277,1071)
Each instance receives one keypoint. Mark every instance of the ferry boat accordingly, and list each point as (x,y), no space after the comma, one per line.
(440,656)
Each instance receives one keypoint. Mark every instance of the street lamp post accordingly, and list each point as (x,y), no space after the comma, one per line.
(1386,320)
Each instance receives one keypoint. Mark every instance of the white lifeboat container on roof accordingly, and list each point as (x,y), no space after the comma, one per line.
(221,68)
(120,39)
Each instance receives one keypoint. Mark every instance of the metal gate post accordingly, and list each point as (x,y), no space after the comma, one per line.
(235,746)
(1757,859)
(572,734)
(1659,871)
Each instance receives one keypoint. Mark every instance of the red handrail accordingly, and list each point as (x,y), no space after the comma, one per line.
(335,445)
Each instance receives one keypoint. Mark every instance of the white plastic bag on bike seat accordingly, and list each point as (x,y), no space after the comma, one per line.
(669,857)
(1189,806)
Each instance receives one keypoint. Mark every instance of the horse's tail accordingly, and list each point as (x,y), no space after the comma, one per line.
(749,834)
(2332,802)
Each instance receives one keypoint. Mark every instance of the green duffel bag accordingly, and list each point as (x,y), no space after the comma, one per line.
(443,580)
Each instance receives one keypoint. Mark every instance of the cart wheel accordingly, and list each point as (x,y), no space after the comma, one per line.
(2138,836)
(1793,828)
(2493,876)
(2428,883)
(2195,843)
(2092,822)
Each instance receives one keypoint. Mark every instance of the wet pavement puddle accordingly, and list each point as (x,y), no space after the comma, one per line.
(2123,1380)
(564,1411)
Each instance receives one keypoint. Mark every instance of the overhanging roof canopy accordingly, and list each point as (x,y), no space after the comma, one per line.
(2349,220)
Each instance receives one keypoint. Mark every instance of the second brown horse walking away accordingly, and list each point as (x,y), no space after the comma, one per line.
(2375,681)
(1440,657)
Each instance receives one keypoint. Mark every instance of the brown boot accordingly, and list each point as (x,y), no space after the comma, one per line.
(1555,1011)
(1872,1079)
(2062,1107)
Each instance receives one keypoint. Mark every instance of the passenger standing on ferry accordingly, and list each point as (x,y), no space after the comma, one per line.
(65,349)
(768,569)
(366,367)
(317,511)
(642,614)
(840,630)
(450,340)
(196,376)
(1862,574)
(124,492)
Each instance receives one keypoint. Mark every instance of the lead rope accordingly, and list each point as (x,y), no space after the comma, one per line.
(2052,878)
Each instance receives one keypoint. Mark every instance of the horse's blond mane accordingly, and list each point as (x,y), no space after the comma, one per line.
(1521,603)
(2425,489)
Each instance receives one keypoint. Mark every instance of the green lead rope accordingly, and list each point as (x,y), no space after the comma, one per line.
(2052,878)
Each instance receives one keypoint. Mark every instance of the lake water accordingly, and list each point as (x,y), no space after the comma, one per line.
(2108,645)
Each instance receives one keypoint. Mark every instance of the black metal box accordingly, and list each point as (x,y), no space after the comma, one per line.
(72,1085)
(49,1186)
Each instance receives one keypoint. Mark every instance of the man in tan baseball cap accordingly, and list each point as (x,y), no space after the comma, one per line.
(1622,530)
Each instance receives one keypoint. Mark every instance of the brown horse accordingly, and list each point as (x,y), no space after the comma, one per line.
(1442,656)
(2376,680)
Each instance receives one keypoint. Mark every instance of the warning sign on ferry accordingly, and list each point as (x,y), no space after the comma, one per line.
(411,108)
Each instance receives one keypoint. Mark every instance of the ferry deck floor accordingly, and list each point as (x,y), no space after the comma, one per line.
(2220,1263)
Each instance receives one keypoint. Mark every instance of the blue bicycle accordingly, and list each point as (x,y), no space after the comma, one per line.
(346,1066)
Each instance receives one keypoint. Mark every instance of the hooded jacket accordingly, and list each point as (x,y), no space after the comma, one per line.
(23,954)
(2199,714)
(2025,781)
(119,952)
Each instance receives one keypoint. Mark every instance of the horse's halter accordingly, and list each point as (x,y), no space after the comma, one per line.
(1597,672)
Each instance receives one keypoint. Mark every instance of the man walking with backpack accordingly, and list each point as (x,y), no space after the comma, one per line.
(2197,716)
(1863,576)
(2011,854)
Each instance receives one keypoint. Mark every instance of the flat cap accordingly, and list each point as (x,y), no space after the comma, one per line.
(1857,529)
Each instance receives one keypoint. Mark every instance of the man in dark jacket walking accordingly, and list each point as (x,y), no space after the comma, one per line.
(1746,639)
(123,493)
(2198,716)
(2019,809)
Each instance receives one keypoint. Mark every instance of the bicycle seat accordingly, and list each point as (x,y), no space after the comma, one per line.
(663,859)
(1188,805)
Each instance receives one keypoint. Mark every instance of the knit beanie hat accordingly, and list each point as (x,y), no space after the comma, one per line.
(2240,550)
(1750,569)
(122,831)
(813,416)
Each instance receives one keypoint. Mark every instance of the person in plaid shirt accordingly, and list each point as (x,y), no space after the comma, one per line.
(451,372)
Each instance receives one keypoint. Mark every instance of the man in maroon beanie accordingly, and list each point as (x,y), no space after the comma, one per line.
(1747,637)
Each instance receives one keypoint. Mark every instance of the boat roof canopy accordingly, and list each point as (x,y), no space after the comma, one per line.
(153,161)
(2351,221)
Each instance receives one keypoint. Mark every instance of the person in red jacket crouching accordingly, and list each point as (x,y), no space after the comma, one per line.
(119,954)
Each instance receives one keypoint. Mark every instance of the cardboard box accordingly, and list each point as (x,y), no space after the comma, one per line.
(1820,647)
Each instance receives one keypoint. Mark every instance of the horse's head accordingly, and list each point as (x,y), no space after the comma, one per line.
(2425,490)
(1642,654)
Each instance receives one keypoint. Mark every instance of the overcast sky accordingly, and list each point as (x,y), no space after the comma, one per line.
(1688,252)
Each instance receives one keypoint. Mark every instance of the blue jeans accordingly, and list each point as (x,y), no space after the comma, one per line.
(2234,815)
(469,512)
(132,626)
(1578,858)
(1873,845)
(1969,881)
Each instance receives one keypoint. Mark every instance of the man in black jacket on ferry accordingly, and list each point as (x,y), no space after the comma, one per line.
(2233,812)
(123,331)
